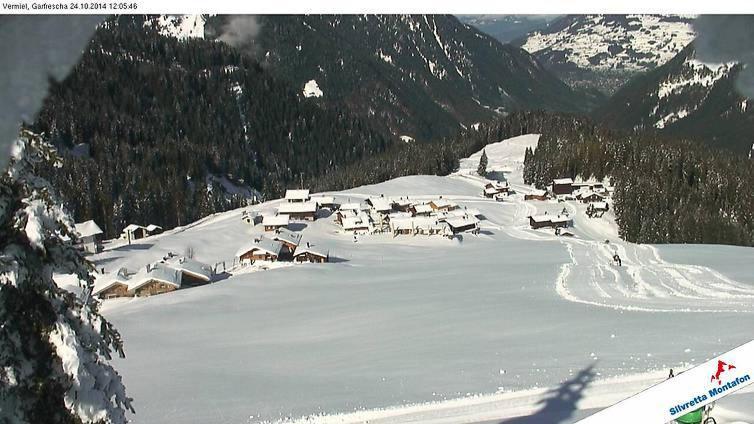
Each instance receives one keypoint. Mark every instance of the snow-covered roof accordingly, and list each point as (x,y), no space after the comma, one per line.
(490,190)
(275,220)
(589,193)
(311,249)
(133,227)
(104,282)
(442,203)
(355,222)
(473,212)
(351,207)
(158,272)
(297,194)
(461,221)
(402,223)
(559,219)
(380,204)
(152,227)
(562,181)
(541,218)
(324,200)
(535,192)
(288,236)
(423,208)
(263,244)
(401,201)
(399,215)
(298,207)
(88,229)
(192,267)
(600,205)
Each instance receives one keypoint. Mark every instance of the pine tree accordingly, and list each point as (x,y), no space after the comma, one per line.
(482,169)
(54,346)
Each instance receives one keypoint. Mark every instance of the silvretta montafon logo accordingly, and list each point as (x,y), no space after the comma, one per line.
(721,368)
(722,386)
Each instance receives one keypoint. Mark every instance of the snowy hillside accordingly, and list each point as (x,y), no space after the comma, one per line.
(179,26)
(613,44)
(507,323)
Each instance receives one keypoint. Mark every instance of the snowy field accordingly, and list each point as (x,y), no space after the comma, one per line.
(511,323)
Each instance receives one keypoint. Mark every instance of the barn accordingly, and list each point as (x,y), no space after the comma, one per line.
(462,224)
(134,232)
(562,186)
(301,211)
(89,235)
(260,249)
(309,253)
(157,279)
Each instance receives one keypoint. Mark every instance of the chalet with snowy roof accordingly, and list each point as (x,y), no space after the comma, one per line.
(536,195)
(153,229)
(401,204)
(422,209)
(589,197)
(359,224)
(112,285)
(462,224)
(381,205)
(153,280)
(260,249)
(419,225)
(492,189)
(89,236)
(134,232)
(290,239)
(442,205)
(296,196)
(274,222)
(549,221)
(325,202)
(301,211)
(310,253)
(193,272)
(562,186)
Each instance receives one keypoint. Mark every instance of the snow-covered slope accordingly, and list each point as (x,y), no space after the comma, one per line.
(612,44)
(507,323)
(181,27)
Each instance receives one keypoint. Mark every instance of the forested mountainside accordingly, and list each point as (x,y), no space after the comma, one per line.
(688,98)
(422,76)
(605,51)
(153,129)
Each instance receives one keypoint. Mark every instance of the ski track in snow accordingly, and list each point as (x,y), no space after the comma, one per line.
(644,282)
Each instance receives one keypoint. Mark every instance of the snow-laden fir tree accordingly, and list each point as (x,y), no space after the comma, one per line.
(54,346)
(482,169)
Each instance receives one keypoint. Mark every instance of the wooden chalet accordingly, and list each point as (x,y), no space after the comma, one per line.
(297,196)
(401,204)
(251,217)
(307,253)
(260,249)
(359,224)
(274,222)
(493,189)
(462,224)
(157,279)
(536,195)
(289,239)
(112,286)
(562,186)
(153,229)
(600,206)
(134,232)
(380,205)
(301,211)
(89,236)
(442,205)
(589,197)
(422,209)
(549,221)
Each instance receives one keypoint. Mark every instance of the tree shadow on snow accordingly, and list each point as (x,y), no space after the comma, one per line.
(337,260)
(486,232)
(560,403)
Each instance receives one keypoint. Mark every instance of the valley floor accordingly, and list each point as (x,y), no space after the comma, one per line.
(512,322)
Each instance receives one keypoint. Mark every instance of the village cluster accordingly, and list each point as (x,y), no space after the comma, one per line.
(593,193)
(397,216)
